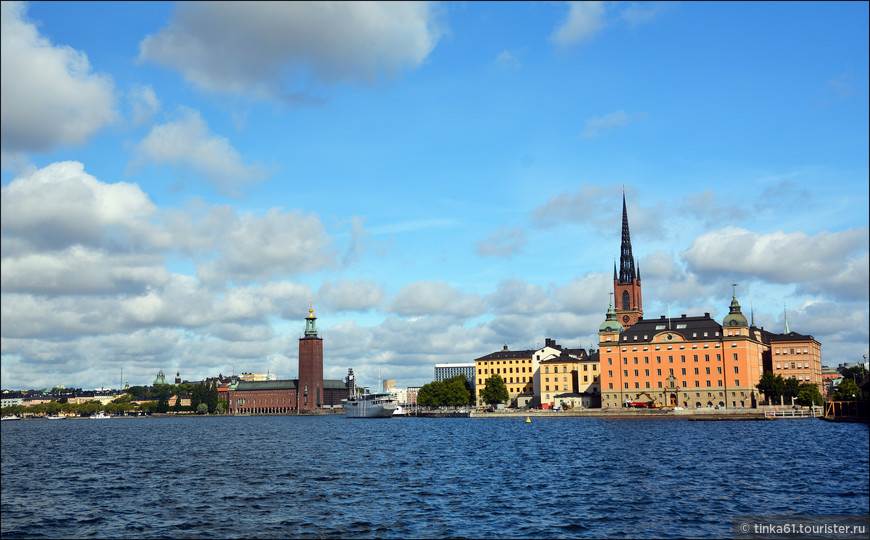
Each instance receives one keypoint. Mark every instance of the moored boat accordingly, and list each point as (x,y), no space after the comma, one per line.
(99,416)
(380,405)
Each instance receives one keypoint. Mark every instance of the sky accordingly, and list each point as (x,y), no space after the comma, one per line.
(181,182)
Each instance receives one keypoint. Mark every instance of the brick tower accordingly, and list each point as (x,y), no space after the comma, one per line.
(310,388)
(626,286)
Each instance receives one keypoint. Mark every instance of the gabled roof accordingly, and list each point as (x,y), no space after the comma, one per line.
(685,326)
(506,355)
(289,384)
(791,336)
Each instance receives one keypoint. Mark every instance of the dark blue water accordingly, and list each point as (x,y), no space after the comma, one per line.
(315,477)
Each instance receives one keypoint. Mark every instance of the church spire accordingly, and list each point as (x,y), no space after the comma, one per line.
(626,259)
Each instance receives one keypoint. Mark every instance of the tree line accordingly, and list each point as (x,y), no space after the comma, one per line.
(154,399)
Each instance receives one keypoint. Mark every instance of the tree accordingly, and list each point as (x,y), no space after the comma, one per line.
(177,406)
(202,409)
(495,390)
(809,395)
(792,387)
(855,373)
(211,397)
(847,390)
(196,396)
(772,386)
(455,392)
(433,394)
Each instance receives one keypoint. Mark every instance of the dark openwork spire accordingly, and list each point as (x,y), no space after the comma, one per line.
(626,260)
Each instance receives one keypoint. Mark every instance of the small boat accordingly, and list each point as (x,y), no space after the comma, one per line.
(56,417)
(99,416)
(10,417)
(380,405)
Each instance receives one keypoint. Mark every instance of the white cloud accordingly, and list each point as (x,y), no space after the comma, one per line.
(638,13)
(779,257)
(60,206)
(350,295)
(604,123)
(583,22)
(49,95)
(502,242)
(279,50)
(187,142)
(435,298)
(143,103)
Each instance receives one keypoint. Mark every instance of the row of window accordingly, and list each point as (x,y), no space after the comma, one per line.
(670,359)
(791,351)
(785,365)
(684,384)
(670,371)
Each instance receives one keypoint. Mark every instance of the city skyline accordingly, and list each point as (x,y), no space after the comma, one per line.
(181,181)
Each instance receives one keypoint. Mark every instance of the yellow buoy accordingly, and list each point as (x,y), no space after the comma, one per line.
(528,420)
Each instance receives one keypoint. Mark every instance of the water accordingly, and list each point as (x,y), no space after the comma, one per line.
(328,476)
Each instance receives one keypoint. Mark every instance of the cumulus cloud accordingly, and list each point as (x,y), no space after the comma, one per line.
(434,298)
(187,142)
(502,242)
(49,94)
(779,257)
(60,206)
(350,295)
(583,22)
(280,50)
(277,243)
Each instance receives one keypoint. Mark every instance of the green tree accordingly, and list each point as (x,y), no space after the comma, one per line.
(495,390)
(772,386)
(202,409)
(856,373)
(433,394)
(196,396)
(809,395)
(211,398)
(455,392)
(52,408)
(847,390)
(792,387)
(222,406)
(177,406)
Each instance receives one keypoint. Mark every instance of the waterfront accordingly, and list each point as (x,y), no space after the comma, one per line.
(328,476)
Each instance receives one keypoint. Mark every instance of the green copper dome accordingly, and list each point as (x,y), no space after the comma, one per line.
(735,317)
(611,324)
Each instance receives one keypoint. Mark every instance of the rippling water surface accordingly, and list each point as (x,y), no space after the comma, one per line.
(328,476)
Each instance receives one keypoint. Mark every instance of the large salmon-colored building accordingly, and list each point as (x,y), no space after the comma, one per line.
(691,362)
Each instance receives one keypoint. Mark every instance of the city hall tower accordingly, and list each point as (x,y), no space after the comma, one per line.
(310,385)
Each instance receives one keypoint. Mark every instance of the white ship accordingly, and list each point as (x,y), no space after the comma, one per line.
(380,405)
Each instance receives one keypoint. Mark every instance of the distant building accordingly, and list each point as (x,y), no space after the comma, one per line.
(516,368)
(445,371)
(161,378)
(568,378)
(283,396)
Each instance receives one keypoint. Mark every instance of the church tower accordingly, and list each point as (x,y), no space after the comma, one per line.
(309,392)
(626,285)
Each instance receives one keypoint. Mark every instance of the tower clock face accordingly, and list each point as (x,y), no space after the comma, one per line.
(625,318)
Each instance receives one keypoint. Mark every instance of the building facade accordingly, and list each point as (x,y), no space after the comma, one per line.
(516,368)
(445,371)
(690,362)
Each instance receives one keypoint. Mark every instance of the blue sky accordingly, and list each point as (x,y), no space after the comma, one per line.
(180,180)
